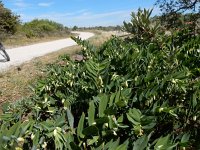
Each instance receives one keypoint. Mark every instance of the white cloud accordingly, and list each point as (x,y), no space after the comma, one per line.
(18,6)
(100,19)
(45,4)
(20,3)
(84,18)
(104,15)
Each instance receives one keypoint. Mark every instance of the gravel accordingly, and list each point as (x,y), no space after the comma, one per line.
(26,53)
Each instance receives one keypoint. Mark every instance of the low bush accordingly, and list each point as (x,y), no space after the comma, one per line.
(40,28)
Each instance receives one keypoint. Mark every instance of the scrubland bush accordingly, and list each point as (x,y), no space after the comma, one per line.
(40,28)
(127,94)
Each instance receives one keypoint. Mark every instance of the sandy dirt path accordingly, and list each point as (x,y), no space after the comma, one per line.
(25,53)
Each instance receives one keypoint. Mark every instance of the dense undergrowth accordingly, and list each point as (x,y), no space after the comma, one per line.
(134,93)
(42,28)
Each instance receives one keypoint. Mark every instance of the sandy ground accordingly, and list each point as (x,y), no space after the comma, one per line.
(22,54)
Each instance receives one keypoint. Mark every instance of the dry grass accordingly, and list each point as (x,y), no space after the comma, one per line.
(15,83)
(17,41)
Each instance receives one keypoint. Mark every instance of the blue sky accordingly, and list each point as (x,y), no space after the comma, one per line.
(78,12)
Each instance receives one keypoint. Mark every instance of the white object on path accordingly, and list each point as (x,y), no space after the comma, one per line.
(25,53)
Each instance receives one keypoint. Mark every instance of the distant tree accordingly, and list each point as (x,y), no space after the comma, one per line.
(74,28)
(118,27)
(8,21)
(172,11)
(171,20)
(174,6)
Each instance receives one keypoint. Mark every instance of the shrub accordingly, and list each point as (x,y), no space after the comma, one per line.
(141,26)
(8,22)
(40,28)
(123,95)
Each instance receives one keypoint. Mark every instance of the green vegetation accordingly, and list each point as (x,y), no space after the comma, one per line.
(13,32)
(140,92)
(142,28)
(15,83)
(102,28)
(8,22)
(74,28)
(172,13)
(174,6)
(37,31)
(42,28)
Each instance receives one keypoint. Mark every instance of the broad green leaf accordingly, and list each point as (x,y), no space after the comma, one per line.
(164,143)
(141,143)
(70,118)
(123,146)
(91,113)
(47,125)
(194,100)
(149,126)
(120,119)
(112,145)
(91,131)
(51,109)
(185,138)
(117,98)
(26,125)
(148,122)
(112,123)
(92,141)
(112,99)
(134,116)
(111,110)
(6,116)
(103,101)
(102,120)
(14,130)
(60,121)
(122,102)
(101,147)
(36,139)
(81,125)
